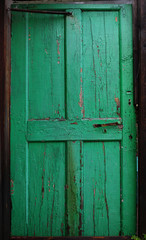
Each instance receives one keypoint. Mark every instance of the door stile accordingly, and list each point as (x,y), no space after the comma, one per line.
(74,112)
(128,144)
(74,66)
(18,123)
(26,116)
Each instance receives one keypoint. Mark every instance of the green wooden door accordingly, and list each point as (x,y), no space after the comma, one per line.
(72,122)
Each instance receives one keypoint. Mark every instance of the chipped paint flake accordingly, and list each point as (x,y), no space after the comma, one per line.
(118,104)
(83,111)
(98,52)
(46,51)
(94,192)
(58,44)
(12,186)
(75,123)
(81,98)
(12,183)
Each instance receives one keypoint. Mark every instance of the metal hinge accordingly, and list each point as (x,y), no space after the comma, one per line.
(40,11)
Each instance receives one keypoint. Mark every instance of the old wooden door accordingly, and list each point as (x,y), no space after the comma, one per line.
(72,122)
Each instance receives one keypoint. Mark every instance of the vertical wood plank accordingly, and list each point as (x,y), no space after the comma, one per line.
(46,66)
(93,72)
(128,145)
(111,31)
(112,180)
(73,188)
(75,110)
(101,83)
(74,89)
(46,189)
(136,63)
(102,201)
(95,217)
(18,124)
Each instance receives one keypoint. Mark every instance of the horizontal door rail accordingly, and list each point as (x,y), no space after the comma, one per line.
(40,11)
(67,130)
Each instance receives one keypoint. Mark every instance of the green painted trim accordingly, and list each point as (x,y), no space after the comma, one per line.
(18,141)
(26,91)
(111,7)
(44,130)
(128,144)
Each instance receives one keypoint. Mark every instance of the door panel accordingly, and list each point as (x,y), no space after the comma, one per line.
(46,189)
(103,215)
(72,122)
(101,74)
(46,51)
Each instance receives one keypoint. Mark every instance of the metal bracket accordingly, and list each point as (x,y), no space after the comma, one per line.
(40,11)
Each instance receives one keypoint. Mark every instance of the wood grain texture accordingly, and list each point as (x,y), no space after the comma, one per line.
(128,144)
(101,82)
(70,130)
(74,94)
(46,51)
(74,181)
(73,123)
(69,6)
(18,126)
(103,216)
(46,189)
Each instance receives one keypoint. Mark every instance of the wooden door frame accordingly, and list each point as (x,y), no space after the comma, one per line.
(142,117)
(139,41)
(5,75)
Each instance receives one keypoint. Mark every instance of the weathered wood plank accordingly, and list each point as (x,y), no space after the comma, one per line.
(112,164)
(74,91)
(19,148)
(101,82)
(45,130)
(46,189)
(73,175)
(102,218)
(128,145)
(71,6)
(136,62)
(46,53)
(95,217)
